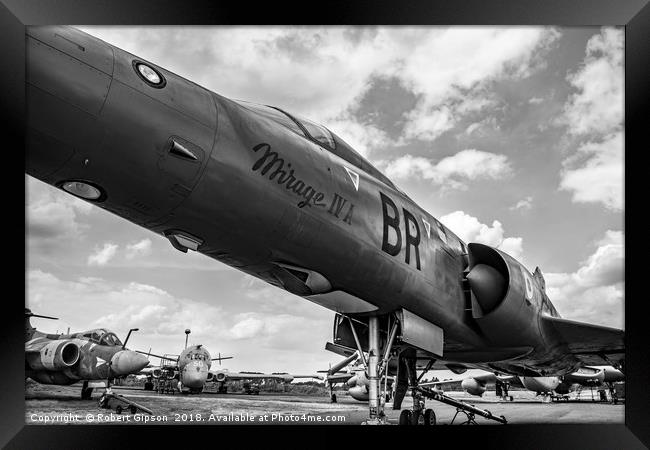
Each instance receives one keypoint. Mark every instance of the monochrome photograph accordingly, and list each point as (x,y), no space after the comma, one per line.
(272,225)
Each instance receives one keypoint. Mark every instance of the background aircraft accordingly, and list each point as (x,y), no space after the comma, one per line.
(476,381)
(68,358)
(221,377)
(289,202)
(191,368)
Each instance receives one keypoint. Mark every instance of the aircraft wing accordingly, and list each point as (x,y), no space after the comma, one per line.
(591,344)
(480,375)
(445,377)
(158,356)
(223,375)
(339,377)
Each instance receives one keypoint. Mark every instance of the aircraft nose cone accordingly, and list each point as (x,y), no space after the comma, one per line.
(488,286)
(126,361)
(195,375)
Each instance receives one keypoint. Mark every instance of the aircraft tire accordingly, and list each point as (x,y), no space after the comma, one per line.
(118,409)
(429,417)
(417,418)
(405,417)
(133,409)
(333,398)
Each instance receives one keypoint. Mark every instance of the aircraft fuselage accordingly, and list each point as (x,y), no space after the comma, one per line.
(229,181)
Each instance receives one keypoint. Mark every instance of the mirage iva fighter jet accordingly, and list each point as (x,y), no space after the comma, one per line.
(286,200)
(64,359)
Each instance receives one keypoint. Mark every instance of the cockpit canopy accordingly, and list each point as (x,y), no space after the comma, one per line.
(319,135)
(101,336)
(196,353)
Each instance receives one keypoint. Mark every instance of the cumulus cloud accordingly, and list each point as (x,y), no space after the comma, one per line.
(102,255)
(595,291)
(453,170)
(446,68)
(287,332)
(470,229)
(594,117)
(139,248)
(595,173)
(247,328)
(52,215)
(451,69)
(88,302)
(523,204)
(482,127)
(362,137)
(597,106)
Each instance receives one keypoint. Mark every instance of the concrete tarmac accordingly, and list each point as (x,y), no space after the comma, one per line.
(62,404)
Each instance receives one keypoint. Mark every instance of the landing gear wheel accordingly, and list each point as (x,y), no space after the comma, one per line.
(133,409)
(417,418)
(118,409)
(405,417)
(429,417)
(333,398)
(148,386)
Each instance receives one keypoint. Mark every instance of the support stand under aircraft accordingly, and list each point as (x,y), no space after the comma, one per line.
(377,365)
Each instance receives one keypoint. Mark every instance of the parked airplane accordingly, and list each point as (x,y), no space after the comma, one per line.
(286,200)
(475,381)
(65,359)
(192,370)
(590,377)
(221,377)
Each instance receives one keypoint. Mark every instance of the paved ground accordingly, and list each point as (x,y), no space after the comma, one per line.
(61,404)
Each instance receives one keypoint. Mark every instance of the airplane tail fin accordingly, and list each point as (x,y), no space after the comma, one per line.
(29,329)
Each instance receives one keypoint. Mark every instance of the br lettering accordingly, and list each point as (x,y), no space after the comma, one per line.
(391,241)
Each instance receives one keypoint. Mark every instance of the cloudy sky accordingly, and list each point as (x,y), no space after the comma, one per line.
(512,137)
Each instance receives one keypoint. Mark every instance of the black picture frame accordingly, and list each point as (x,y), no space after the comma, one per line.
(633,14)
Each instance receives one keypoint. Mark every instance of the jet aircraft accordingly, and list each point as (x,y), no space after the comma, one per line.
(221,377)
(85,356)
(475,381)
(286,200)
(192,370)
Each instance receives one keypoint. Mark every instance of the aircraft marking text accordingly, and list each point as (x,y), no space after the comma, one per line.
(412,233)
(286,175)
